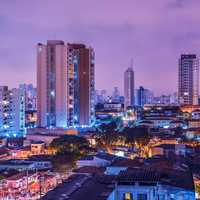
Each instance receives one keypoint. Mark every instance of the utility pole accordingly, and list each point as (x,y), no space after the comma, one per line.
(40,181)
(27,180)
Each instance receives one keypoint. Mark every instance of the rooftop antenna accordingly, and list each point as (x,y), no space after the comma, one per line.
(131,62)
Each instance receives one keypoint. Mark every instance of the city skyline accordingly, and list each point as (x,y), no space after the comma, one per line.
(99,100)
(116,36)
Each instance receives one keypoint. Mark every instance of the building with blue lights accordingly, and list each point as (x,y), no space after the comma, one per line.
(12,111)
(80,85)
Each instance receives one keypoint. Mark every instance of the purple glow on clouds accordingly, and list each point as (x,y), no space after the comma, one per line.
(153,33)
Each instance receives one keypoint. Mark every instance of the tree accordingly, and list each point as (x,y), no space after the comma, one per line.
(137,137)
(107,127)
(65,161)
(107,134)
(67,150)
(69,143)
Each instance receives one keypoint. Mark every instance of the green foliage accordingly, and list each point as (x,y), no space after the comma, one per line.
(137,135)
(107,128)
(65,161)
(69,143)
(108,136)
(68,150)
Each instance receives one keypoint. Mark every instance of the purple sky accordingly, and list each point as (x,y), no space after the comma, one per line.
(153,33)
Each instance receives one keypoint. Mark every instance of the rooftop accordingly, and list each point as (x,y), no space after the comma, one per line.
(79,186)
(176,178)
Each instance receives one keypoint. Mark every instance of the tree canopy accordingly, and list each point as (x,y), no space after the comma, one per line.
(137,135)
(67,150)
(69,143)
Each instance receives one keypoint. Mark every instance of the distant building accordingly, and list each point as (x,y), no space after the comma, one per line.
(174,98)
(12,111)
(116,95)
(4,109)
(129,87)
(101,96)
(17,106)
(188,84)
(143,96)
(108,110)
(166,99)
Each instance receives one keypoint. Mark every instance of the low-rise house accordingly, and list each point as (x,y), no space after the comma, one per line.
(194,123)
(22,165)
(98,160)
(157,121)
(143,184)
(21,180)
(3,141)
(37,147)
(20,152)
(4,153)
(196,114)
(177,124)
(169,150)
(122,165)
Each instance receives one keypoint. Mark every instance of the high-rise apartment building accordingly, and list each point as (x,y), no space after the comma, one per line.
(12,111)
(31,97)
(52,84)
(129,87)
(18,106)
(188,84)
(65,84)
(4,109)
(80,85)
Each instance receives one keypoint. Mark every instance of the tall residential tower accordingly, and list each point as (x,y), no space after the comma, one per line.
(188,84)
(129,87)
(65,84)
(52,84)
(81,85)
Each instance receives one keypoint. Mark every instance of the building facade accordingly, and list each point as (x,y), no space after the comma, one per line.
(188,84)
(12,111)
(143,96)
(80,85)
(4,107)
(52,84)
(65,84)
(129,87)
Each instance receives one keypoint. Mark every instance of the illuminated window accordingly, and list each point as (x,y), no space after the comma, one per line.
(128,196)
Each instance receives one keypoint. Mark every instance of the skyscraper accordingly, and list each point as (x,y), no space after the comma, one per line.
(129,87)
(188,84)
(81,85)
(52,84)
